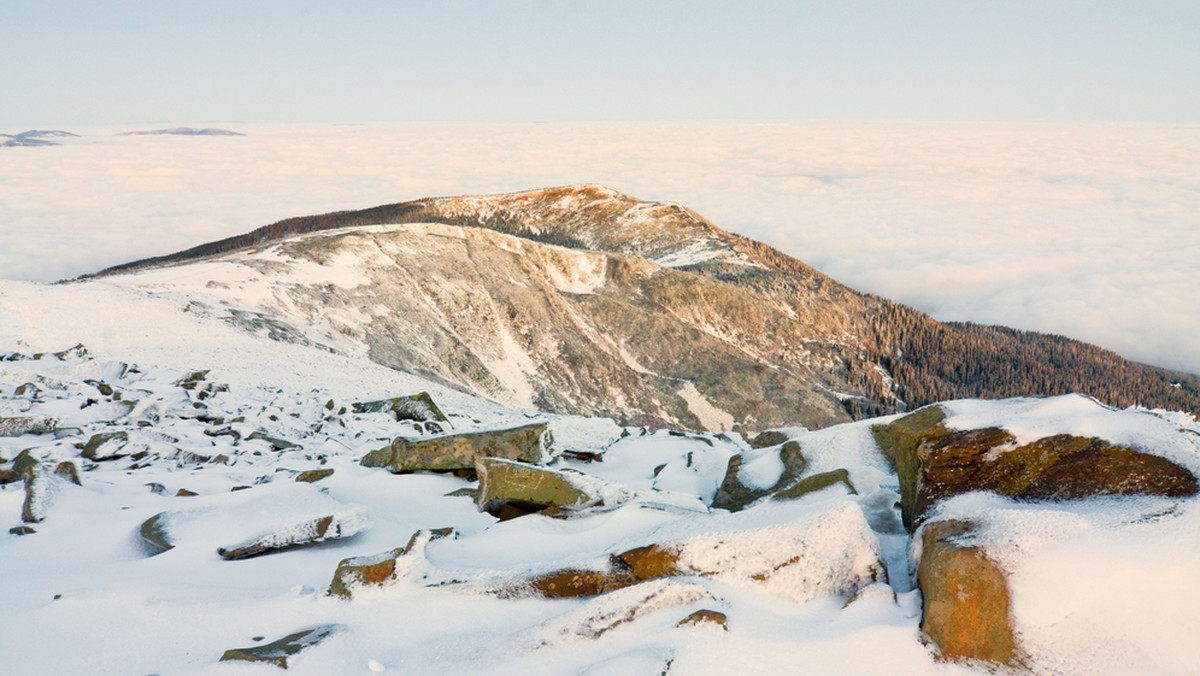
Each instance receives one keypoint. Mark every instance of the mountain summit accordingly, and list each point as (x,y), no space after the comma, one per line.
(580,299)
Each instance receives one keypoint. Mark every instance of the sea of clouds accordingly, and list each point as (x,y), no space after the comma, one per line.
(1086,230)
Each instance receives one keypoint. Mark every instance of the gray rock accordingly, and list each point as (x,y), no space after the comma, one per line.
(280,652)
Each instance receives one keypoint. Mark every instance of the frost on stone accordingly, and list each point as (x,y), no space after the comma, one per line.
(830,552)
(16,426)
(605,613)
(243,524)
(309,531)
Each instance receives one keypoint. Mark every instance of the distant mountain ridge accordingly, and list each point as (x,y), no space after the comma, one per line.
(183,131)
(35,137)
(683,324)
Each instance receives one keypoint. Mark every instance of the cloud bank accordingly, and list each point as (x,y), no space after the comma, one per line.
(1086,230)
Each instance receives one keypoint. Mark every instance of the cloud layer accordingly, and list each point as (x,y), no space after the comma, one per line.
(1087,230)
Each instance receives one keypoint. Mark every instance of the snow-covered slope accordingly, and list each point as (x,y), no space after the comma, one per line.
(1100,585)
(529,324)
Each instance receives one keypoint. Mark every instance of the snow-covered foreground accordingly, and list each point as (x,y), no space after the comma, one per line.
(1102,585)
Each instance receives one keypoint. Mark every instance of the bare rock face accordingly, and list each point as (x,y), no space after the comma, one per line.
(281,652)
(459,451)
(967,603)
(529,487)
(934,463)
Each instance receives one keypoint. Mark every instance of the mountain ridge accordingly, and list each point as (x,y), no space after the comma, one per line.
(867,354)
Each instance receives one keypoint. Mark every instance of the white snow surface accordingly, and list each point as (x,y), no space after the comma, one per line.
(1103,585)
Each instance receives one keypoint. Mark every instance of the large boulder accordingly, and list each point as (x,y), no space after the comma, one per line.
(934,462)
(521,486)
(458,452)
(282,651)
(967,610)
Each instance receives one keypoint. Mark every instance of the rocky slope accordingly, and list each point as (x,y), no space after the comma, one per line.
(583,300)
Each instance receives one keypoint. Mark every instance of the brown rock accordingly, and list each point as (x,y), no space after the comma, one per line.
(967,603)
(705,617)
(380,569)
(652,562)
(185,493)
(935,463)
(574,583)
(459,451)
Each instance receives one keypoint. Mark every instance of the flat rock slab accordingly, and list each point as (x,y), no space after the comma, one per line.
(282,651)
(459,451)
(243,524)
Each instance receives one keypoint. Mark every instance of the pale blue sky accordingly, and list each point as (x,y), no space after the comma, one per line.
(87,62)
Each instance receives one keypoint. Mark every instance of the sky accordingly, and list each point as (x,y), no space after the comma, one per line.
(80,62)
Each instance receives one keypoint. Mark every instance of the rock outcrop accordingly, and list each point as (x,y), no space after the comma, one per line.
(935,462)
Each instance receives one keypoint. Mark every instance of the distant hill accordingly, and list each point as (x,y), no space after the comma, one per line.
(183,131)
(34,137)
(681,313)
